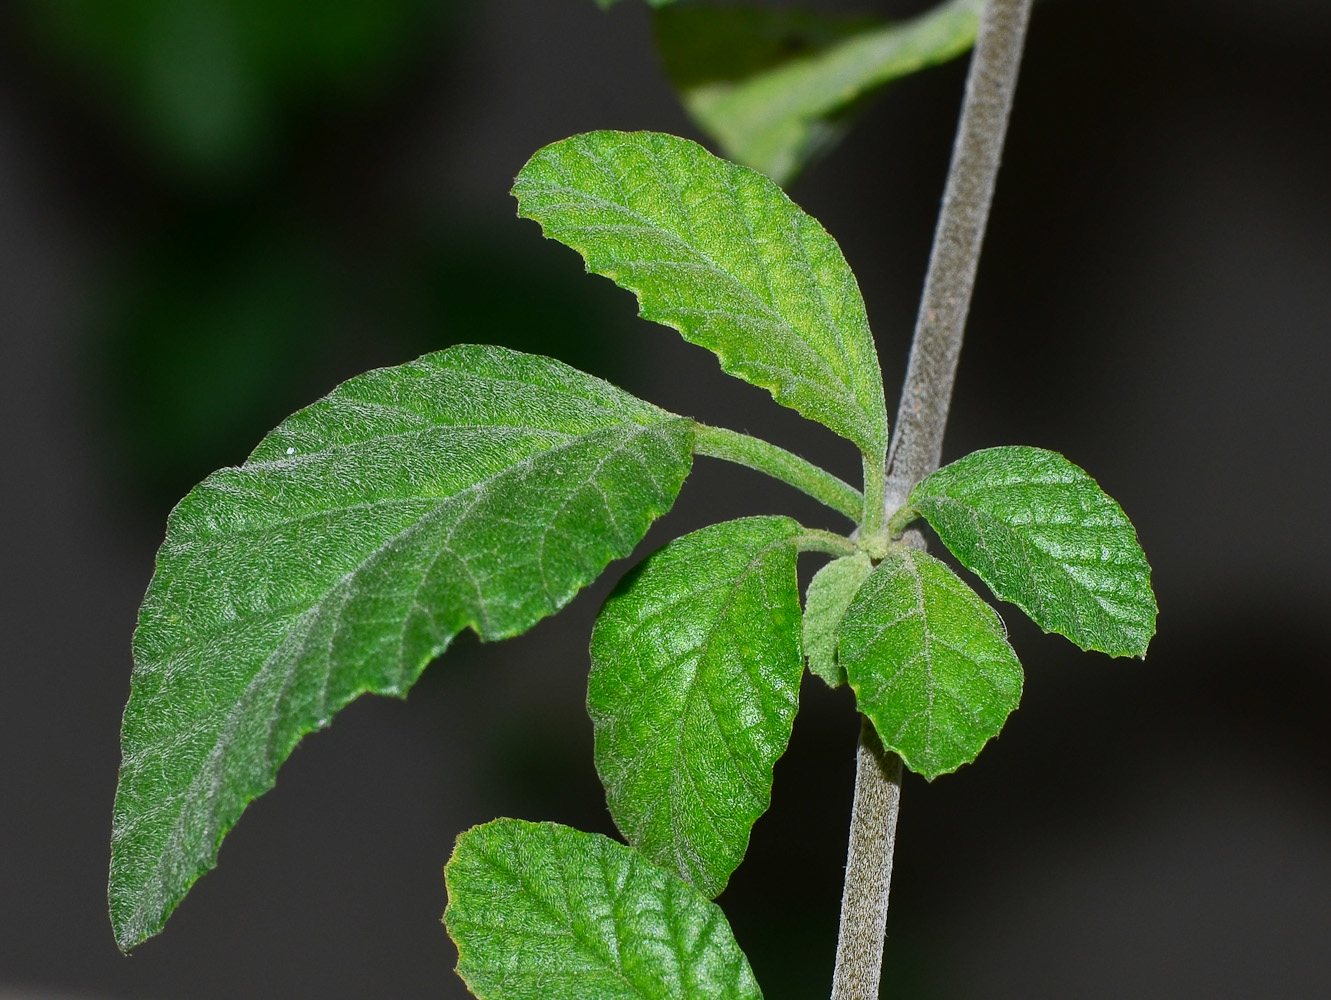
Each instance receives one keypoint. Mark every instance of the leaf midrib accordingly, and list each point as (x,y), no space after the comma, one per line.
(929,639)
(701,651)
(171,840)
(1027,544)
(583,200)
(587,947)
(635,432)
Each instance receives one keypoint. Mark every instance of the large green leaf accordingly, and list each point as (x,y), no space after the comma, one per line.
(929,662)
(473,487)
(718,252)
(541,911)
(694,685)
(1043,535)
(775,87)
(825,602)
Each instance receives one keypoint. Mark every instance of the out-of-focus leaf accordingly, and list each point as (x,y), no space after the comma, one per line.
(774,88)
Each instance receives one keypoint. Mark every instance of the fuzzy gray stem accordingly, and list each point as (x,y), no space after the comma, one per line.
(873,829)
(917,445)
(917,439)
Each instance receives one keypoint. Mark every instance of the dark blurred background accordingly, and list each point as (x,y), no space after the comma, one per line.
(211,211)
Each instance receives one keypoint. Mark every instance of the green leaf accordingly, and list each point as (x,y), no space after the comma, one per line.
(695,679)
(825,602)
(777,87)
(475,487)
(929,662)
(1044,536)
(541,911)
(719,253)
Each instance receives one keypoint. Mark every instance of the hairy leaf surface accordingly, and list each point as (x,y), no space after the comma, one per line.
(1043,535)
(776,87)
(541,911)
(696,670)
(825,602)
(929,662)
(475,487)
(718,252)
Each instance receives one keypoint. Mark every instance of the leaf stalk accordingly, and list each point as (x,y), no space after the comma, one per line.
(916,449)
(827,542)
(755,453)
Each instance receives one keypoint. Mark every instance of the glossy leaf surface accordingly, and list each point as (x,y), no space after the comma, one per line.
(696,669)
(475,487)
(1043,535)
(825,602)
(929,662)
(719,253)
(775,87)
(541,911)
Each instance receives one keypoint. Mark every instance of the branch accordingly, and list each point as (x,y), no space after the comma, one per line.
(917,445)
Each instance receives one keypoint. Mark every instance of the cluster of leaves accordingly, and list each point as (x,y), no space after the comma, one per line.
(479,487)
(776,87)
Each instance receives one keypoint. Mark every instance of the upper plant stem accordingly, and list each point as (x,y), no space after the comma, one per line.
(874,498)
(917,444)
(755,453)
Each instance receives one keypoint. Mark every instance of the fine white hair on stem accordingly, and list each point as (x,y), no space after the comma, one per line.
(917,445)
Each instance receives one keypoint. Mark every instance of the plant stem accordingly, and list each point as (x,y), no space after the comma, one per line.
(917,444)
(826,542)
(755,453)
(917,439)
(874,496)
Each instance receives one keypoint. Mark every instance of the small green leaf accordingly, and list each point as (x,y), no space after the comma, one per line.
(1044,536)
(825,602)
(929,662)
(777,87)
(475,487)
(541,911)
(695,679)
(719,253)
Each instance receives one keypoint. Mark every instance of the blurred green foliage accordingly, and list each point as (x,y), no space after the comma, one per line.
(209,83)
(229,321)
(241,303)
(204,343)
(775,88)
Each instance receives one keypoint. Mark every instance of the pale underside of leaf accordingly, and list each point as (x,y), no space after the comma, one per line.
(476,487)
(696,668)
(825,602)
(929,662)
(544,912)
(1043,535)
(777,117)
(719,253)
